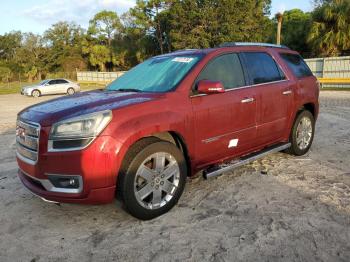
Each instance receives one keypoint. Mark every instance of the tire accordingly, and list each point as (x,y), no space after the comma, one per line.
(70,91)
(299,146)
(149,191)
(36,93)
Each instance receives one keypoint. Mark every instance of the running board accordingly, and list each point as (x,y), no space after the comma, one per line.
(244,160)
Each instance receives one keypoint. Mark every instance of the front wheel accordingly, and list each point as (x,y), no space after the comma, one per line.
(302,134)
(152,178)
(36,93)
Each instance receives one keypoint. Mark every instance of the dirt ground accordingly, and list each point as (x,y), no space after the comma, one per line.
(298,210)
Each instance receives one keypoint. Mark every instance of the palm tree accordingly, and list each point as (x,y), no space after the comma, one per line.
(330,30)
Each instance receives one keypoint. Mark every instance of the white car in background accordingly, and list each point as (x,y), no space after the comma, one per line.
(51,87)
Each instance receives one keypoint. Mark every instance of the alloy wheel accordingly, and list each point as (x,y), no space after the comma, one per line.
(156,180)
(304,133)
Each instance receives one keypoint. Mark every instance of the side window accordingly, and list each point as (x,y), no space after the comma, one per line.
(297,65)
(52,82)
(225,68)
(262,68)
(61,81)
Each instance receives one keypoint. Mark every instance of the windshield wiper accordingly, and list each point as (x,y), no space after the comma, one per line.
(128,90)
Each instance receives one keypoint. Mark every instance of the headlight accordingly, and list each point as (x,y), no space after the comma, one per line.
(77,133)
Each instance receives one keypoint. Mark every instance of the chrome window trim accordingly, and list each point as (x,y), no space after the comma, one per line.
(254,85)
(51,188)
(243,87)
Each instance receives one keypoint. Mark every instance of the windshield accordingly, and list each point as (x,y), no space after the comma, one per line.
(43,82)
(158,74)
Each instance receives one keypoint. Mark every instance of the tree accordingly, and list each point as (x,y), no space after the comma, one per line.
(5,73)
(104,26)
(31,56)
(99,55)
(99,41)
(318,3)
(295,28)
(63,40)
(9,44)
(330,31)
(152,16)
(208,23)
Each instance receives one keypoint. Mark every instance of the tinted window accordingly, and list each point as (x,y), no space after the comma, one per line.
(297,65)
(225,68)
(262,68)
(61,81)
(52,82)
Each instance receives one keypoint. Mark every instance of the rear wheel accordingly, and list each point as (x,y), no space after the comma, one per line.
(152,178)
(36,93)
(302,134)
(70,91)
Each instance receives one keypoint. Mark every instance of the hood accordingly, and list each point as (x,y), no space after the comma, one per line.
(31,86)
(55,110)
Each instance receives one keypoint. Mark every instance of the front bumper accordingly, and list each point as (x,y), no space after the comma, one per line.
(97,167)
(95,196)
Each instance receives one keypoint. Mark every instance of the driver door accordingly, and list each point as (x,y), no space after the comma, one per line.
(225,123)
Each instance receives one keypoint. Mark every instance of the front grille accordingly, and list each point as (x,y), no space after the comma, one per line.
(27,141)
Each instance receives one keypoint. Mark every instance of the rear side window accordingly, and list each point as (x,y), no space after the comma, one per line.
(262,68)
(225,68)
(61,81)
(297,65)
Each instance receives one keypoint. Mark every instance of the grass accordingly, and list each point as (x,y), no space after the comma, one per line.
(15,87)
(11,88)
(335,89)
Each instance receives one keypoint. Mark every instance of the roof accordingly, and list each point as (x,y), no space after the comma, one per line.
(233,44)
(223,45)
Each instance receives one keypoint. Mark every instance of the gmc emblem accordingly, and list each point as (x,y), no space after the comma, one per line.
(20,132)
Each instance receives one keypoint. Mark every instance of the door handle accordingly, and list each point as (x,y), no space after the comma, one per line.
(288,92)
(248,100)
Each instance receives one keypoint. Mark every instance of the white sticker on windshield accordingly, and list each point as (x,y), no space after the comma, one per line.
(182,59)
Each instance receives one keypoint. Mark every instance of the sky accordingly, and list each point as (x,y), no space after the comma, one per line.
(38,15)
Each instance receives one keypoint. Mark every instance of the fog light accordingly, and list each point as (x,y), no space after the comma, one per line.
(65,181)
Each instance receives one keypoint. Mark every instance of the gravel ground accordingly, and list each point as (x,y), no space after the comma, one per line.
(297,209)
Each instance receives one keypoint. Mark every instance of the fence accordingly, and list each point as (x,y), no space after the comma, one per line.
(98,77)
(333,70)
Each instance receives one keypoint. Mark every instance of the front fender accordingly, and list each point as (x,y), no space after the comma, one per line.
(131,130)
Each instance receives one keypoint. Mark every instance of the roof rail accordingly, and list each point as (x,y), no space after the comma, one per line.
(187,49)
(231,44)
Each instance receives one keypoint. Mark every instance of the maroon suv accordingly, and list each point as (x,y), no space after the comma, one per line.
(164,120)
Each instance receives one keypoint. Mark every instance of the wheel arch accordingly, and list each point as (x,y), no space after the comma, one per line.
(36,89)
(178,140)
(170,136)
(309,107)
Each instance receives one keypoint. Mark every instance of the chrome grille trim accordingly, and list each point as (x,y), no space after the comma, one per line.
(32,129)
(27,143)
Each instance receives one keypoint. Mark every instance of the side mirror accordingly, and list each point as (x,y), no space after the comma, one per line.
(210,87)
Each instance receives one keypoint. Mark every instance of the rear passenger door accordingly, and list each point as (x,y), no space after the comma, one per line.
(61,86)
(225,123)
(274,96)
